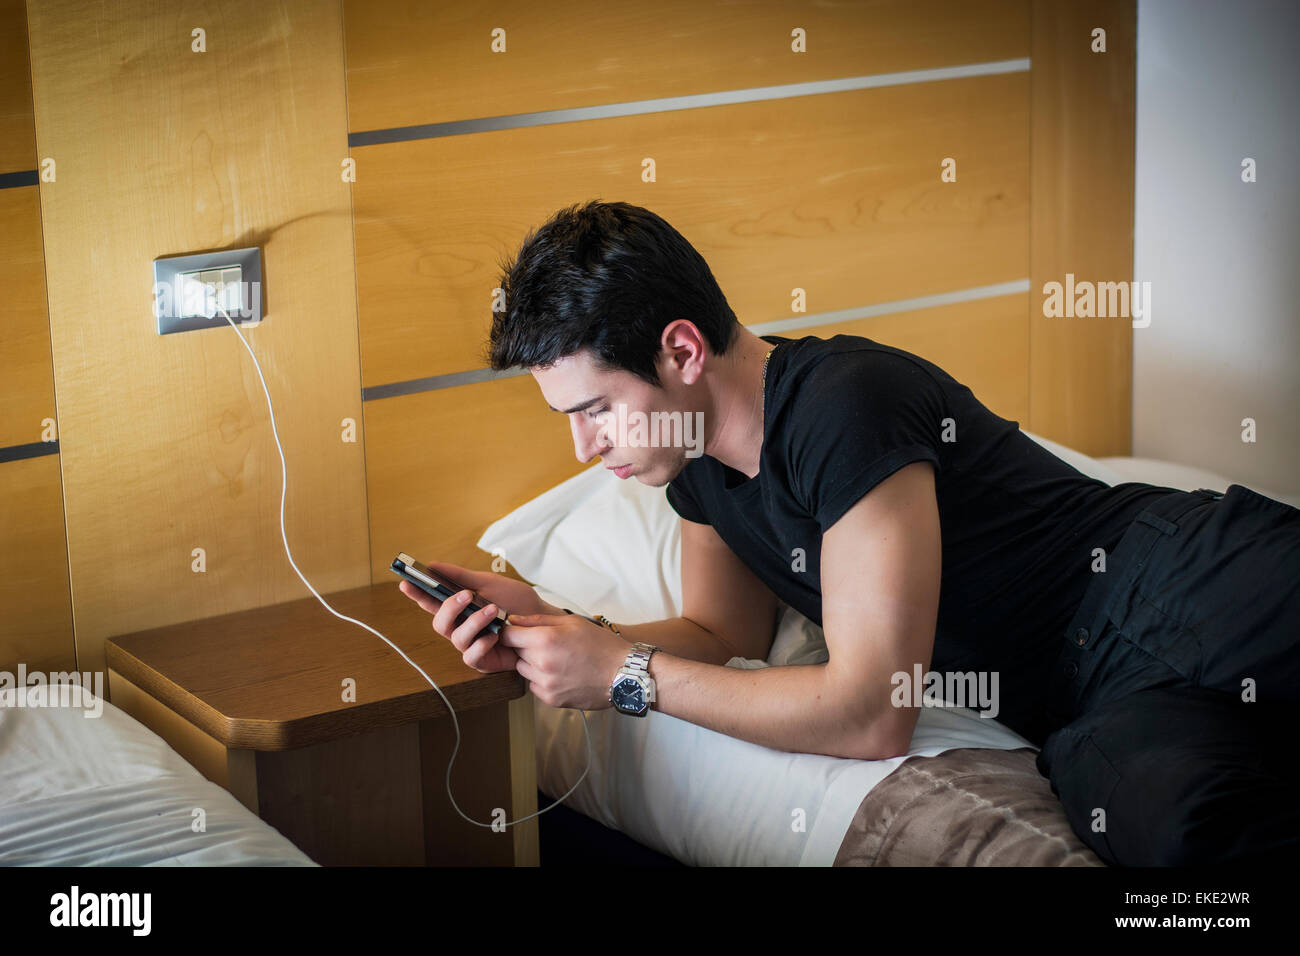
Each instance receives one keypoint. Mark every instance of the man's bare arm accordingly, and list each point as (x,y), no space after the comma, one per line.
(680,637)
(726,610)
(881,567)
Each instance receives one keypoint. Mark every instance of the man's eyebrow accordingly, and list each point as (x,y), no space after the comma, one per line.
(578,408)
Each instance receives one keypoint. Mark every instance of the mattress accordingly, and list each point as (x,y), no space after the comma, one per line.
(707,799)
(104,790)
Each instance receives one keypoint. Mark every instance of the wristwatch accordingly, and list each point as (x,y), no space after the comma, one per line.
(633,690)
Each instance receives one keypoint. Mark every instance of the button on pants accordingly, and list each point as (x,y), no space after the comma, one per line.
(1174,694)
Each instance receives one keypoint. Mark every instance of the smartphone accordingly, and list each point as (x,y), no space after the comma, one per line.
(442,587)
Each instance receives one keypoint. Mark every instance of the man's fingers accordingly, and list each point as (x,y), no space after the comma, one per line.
(464,636)
(480,650)
(421,598)
(520,634)
(471,579)
(526,671)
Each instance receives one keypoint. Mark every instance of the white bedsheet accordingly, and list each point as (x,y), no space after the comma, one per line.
(107,791)
(708,799)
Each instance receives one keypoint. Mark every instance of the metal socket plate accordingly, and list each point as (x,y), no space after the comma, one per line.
(188,289)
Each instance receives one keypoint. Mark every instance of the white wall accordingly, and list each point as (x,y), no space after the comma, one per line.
(1217,81)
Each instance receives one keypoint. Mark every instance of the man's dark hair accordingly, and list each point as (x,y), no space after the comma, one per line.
(608,277)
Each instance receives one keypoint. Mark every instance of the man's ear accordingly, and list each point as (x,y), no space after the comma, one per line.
(683,351)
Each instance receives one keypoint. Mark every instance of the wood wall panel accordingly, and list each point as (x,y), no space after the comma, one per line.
(443,465)
(35,612)
(837,194)
(467,481)
(165,441)
(35,603)
(984,344)
(17,123)
(26,373)
(411,63)
(1084,140)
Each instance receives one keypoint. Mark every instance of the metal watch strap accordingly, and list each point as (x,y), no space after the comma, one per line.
(638,659)
(637,666)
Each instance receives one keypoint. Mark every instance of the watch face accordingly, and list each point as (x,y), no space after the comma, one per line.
(628,695)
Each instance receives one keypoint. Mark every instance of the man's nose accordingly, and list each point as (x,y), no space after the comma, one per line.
(587,442)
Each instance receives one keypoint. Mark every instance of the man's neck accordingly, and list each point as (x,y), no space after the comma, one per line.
(736,438)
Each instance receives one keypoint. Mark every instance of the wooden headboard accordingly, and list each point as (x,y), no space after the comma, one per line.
(386,156)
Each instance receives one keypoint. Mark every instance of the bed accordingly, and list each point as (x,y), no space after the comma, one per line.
(967,792)
(85,784)
(106,790)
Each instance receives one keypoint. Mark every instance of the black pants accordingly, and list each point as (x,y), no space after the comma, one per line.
(1175,691)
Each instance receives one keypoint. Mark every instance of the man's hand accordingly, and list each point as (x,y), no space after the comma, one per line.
(486,654)
(567,660)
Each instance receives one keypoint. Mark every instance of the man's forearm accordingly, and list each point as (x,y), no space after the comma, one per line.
(794,708)
(681,637)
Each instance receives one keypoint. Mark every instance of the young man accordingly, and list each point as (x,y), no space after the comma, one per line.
(1143,637)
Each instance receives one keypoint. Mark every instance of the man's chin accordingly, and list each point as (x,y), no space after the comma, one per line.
(651,479)
(658,477)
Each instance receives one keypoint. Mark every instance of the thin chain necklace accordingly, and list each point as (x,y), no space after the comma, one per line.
(763,394)
(763,386)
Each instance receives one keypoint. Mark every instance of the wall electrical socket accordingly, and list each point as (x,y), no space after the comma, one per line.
(188,289)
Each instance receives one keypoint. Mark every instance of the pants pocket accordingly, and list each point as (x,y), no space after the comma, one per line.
(1084,781)
(1154,621)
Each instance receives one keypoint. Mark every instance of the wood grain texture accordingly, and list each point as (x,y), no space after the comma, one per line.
(443,465)
(355,801)
(984,344)
(35,602)
(434,496)
(837,194)
(272,678)
(166,443)
(428,63)
(35,606)
(17,121)
(26,369)
(1083,128)
(493,778)
(521,713)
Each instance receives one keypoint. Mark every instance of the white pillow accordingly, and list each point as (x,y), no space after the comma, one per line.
(599,544)
(611,546)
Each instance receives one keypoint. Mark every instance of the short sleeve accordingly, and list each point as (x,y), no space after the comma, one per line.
(859,417)
(683,502)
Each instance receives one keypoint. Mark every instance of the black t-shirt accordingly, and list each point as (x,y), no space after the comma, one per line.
(1018,524)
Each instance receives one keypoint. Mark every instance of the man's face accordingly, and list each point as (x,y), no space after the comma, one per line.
(604,408)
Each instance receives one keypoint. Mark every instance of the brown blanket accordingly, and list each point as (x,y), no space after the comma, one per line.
(966,807)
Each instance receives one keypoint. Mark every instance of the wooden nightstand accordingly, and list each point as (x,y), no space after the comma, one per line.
(255,701)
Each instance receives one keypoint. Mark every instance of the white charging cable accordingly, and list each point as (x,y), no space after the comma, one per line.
(284,485)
